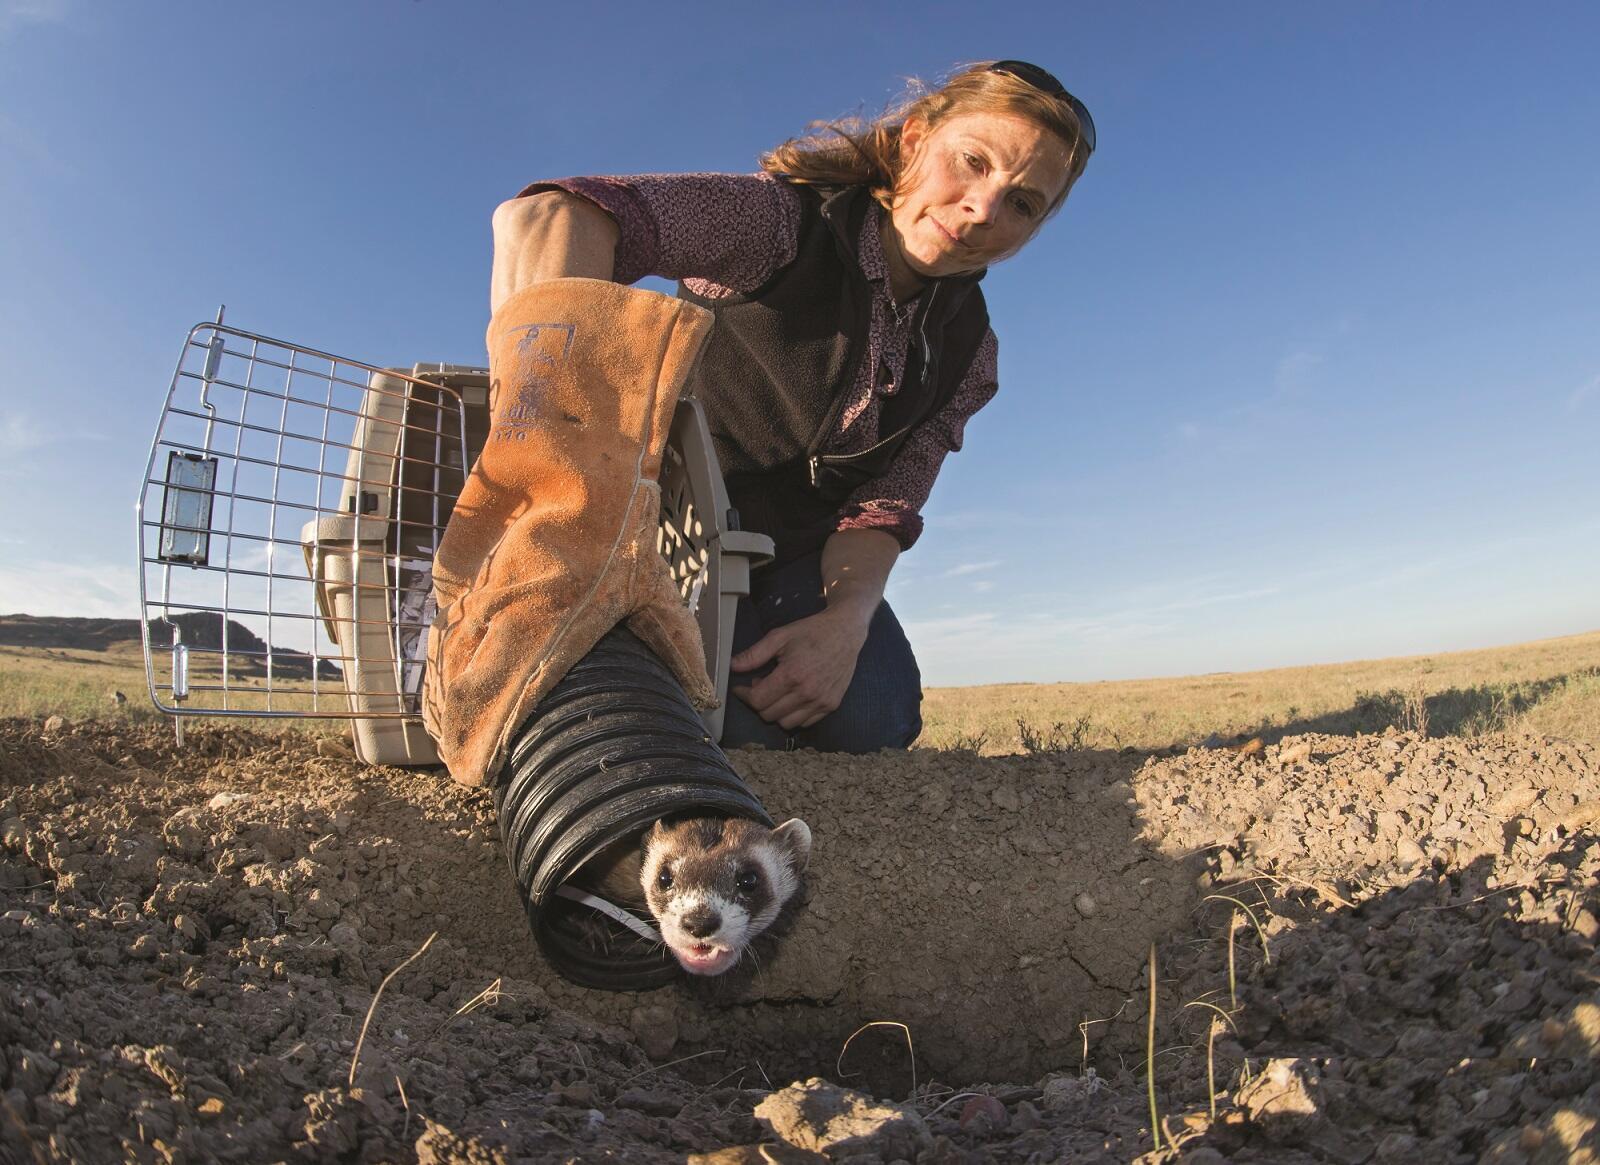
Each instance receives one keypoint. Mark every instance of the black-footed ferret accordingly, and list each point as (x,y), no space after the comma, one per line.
(713,885)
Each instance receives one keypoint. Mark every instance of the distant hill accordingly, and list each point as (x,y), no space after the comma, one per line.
(199,629)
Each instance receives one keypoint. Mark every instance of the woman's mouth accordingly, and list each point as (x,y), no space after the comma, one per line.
(951,238)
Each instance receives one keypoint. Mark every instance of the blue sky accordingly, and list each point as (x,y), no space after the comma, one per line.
(1307,370)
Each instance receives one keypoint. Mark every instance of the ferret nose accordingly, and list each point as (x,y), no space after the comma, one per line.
(702,922)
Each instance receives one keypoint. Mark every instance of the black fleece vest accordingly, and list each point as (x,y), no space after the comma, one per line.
(782,360)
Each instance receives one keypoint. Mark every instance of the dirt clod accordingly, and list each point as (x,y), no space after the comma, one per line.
(825,1118)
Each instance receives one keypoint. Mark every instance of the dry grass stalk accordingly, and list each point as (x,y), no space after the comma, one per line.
(1150,1057)
(355,1058)
(1083,1030)
(1329,895)
(951,1100)
(1211,1048)
(1414,712)
(1261,934)
(670,1063)
(838,1065)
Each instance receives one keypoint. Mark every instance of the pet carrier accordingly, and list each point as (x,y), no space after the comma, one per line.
(287,523)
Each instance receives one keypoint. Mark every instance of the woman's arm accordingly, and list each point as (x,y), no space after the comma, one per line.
(723,231)
(549,236)
(817,655)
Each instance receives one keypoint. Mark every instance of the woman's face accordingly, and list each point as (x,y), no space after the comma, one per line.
(975,189)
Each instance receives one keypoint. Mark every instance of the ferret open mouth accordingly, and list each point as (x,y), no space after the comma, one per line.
(704,959)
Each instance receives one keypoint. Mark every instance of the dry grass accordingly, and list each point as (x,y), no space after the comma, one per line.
(1551,687)
(81,684)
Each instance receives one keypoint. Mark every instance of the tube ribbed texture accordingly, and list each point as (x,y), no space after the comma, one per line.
(612,748)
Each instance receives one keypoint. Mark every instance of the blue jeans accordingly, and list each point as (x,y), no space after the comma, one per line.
(882,707)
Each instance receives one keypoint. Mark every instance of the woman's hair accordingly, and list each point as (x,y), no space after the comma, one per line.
(855,152)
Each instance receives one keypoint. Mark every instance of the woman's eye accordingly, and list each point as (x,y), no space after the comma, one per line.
(664,880)
(748,882)
(973,161)
(1024,207)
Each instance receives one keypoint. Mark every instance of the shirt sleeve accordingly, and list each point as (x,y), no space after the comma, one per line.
(721,232)
(893,501)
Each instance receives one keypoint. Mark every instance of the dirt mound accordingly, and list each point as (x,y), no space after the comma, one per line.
(192,941)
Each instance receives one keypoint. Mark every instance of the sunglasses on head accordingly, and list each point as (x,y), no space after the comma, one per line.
(1046,82)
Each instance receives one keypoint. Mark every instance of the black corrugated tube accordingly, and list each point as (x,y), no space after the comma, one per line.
(613,747)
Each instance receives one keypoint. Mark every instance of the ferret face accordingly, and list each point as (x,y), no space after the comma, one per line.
(714,884)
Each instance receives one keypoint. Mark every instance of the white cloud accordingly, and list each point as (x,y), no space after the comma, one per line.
(96,591)
(971,568)
(20,433)
(983,586)
(1295,370)
(16,15)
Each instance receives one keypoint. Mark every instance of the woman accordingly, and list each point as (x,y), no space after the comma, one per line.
(851,344)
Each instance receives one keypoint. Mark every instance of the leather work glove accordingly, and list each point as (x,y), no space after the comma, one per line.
(553,539)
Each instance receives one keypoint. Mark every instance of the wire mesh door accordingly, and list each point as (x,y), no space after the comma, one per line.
(287,524)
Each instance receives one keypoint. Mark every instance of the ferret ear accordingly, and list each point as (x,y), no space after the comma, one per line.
(655,833)
(795,836)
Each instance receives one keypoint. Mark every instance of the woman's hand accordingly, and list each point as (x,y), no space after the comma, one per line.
(816,658)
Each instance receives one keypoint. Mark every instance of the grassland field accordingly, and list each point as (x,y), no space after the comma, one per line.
(1549,687)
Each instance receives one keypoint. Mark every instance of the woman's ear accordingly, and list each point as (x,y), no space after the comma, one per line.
(912,135)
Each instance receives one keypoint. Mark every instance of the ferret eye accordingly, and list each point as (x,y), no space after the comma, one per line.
(747,882)
(664,879)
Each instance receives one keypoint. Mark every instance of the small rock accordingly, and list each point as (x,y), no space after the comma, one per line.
(765,1154)
(1005,798)
(13,835)
(1026,1118)
(1281,1098)
(656,1029)
(322,904)
(334,748)
(1587,924)
(1294,754)
(578,1094)
(344,936)
(824,1118)
(55,724)
(184,835)
(1252,747)
(1068,1092)
(439,1145)
(983,1116)
(223,800)
(144,947)
(1085,905)
(1408,853)
(33,1072)
(185,926)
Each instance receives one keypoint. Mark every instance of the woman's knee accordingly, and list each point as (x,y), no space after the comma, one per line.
(882,707)
(875,720)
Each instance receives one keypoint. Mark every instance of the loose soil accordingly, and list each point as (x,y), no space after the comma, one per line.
(254,949)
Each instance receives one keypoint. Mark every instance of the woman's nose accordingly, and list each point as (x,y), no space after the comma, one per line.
(982,204)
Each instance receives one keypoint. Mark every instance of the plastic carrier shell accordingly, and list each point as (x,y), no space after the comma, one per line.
(288,518)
